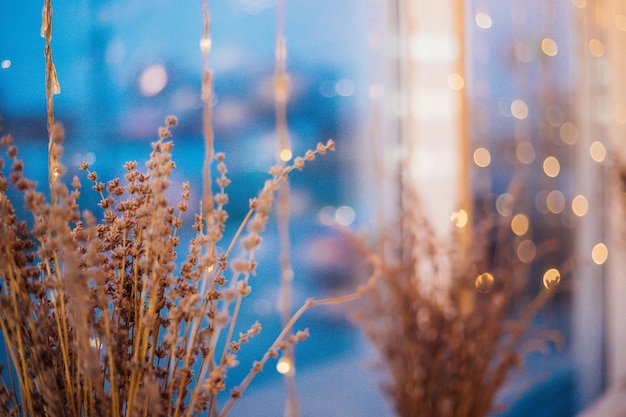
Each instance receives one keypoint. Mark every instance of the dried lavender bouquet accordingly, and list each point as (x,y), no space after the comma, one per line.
(450,320)
(99,317)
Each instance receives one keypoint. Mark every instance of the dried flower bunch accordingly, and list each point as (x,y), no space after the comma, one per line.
(449,320)
(100,317)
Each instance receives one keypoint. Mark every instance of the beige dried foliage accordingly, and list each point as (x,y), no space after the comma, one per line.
(99,316)
(448,319)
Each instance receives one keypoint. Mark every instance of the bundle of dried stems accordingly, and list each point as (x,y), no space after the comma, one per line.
(100,318)
(97,317)
(449,320)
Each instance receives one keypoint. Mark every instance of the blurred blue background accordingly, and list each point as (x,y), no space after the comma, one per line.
(123,66)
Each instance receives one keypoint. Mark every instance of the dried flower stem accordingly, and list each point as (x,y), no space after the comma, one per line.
(52,88)
(463,177)
(207,122)
(220,269)
(25,382)
(115,401)
(281,97)
(20,362)
(209,358)
(288,327)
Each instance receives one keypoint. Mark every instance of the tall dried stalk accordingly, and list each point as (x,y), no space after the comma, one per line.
(207,117)
(281,97)
(52,88)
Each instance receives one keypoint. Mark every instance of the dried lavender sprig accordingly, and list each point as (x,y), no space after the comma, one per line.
(279,342)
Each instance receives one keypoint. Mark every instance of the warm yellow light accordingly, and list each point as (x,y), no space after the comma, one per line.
(549,47)
(456,81)
(484,282)
(526,251)
(482,157)
(580,205)
(597,151)
(205,44)
(551,166)
(483,20)
(599,253)
(551,278)
(555,201)
(578,3)
(285,155)
(596,48)
(620,22)
(568,133)
(504,204)
(284,366)
(619,112)
(519,109)
(459,218)
(525,152)
(519,224)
